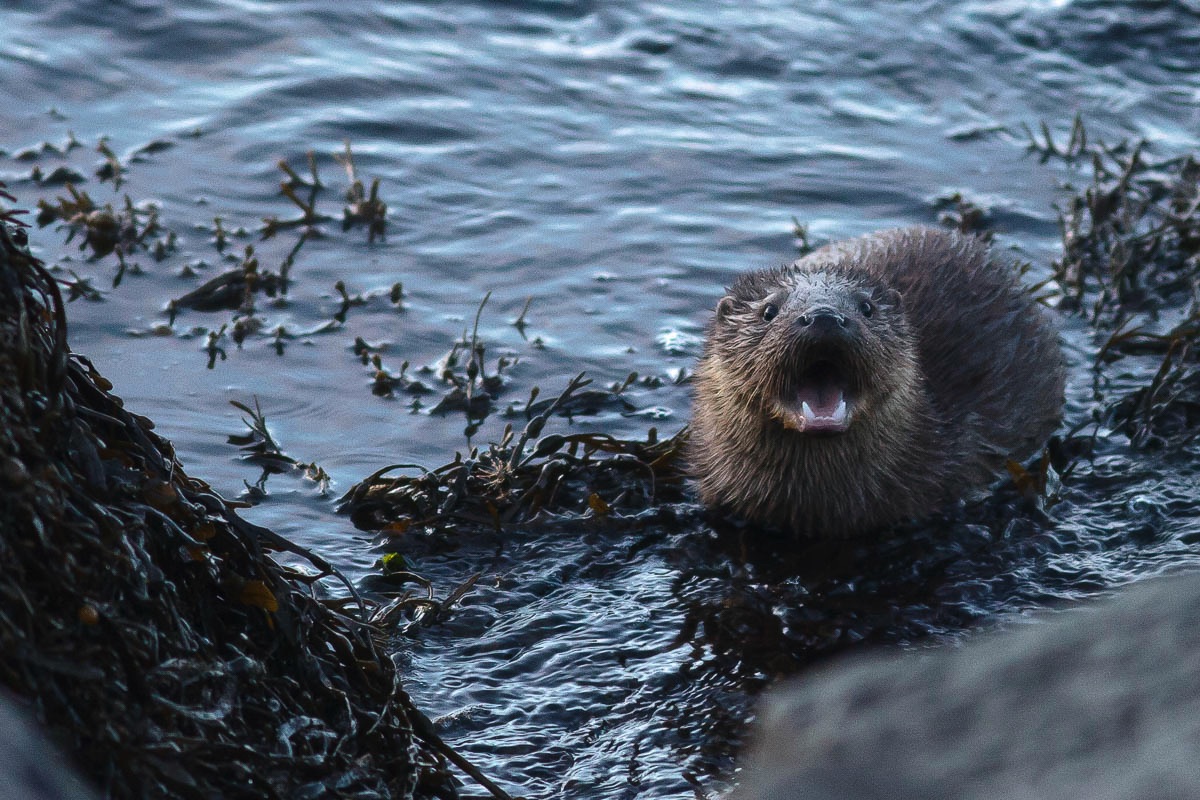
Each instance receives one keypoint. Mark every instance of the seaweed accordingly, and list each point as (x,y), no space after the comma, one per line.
(957,212)
(309,217)
(105,229)
(347,302)
(362,208)
(800,234)
(151,627)
(388,384)
(60,175)
(111,169)
(35,152)
(525,477)
(233,290)
(472,389)
(1131,267)
(520,322)
(237,288)
(260,449)
(1166,411)
(1131,239)
(124,229)
(1047,148)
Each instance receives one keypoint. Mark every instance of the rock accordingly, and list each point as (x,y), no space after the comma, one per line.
(31,768)
(1098,703)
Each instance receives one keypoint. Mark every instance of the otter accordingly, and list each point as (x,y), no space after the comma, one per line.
(871,381)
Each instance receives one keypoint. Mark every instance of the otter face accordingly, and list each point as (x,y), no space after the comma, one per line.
(814,351)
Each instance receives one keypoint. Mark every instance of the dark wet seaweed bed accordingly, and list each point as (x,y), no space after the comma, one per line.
(618,166)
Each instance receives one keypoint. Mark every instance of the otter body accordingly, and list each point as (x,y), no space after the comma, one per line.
(871,381)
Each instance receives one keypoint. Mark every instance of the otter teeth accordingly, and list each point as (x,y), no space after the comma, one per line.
(833,421)
(839,413)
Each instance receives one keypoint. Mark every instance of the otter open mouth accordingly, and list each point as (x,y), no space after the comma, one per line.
(819,401)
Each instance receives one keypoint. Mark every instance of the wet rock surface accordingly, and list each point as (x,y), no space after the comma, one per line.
(1096,703)
(31,767)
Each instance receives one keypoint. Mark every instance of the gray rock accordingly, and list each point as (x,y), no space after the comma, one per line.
(31,768)
(1093,704)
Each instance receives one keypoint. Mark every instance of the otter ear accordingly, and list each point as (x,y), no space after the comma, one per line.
(893,298)
(726,307)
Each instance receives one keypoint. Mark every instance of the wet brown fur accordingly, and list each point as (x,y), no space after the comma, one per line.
(956,369)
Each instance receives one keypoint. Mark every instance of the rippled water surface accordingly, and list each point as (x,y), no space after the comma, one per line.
(616,163)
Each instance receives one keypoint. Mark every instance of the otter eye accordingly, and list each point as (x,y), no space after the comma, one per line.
(866,307)
(770,311)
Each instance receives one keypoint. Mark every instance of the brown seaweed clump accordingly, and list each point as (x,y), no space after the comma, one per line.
(523,479)
(1131,266)
(148,625)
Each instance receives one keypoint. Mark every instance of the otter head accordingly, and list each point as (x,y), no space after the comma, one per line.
(815,351)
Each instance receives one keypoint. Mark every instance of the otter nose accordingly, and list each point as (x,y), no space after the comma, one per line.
(822,320)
